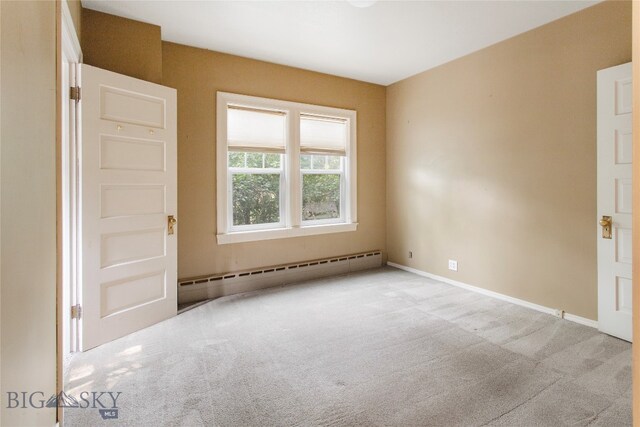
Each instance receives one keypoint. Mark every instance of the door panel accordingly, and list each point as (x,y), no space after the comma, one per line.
(119,153)
(125,106)
(129,187)
(614,200)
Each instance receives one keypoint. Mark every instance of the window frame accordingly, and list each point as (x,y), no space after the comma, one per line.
(291,222)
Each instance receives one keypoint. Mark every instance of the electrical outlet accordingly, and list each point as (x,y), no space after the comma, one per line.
(410,254)
(453,265)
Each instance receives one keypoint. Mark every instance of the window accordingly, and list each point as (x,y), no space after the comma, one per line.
(284,169)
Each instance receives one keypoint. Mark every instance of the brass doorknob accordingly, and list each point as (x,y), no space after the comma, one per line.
(171,222)
(605,222)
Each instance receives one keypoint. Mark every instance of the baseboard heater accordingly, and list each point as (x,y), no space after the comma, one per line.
(218,285)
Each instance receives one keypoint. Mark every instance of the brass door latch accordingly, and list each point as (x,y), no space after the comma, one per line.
(171,222)
(605,222)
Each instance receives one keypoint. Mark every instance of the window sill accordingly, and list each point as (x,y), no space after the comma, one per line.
(283,233)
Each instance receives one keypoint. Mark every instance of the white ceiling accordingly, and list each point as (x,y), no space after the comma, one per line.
(383,43)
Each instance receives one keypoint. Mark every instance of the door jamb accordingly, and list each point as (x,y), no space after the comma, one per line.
(68,58)
(636,214)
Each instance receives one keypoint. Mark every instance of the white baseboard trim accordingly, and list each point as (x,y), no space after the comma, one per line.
(567,316)
(582,320)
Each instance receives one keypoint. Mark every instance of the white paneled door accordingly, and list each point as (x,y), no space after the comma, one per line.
(614,201)
(129,200)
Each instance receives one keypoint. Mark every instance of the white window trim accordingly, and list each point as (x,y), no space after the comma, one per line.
(292,222)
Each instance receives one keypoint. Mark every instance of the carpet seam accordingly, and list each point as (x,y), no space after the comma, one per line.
(526,401)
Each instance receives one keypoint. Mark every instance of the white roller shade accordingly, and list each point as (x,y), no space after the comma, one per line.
(323,135)
(250,129)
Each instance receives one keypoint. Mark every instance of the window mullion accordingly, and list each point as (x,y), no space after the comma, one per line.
(255,170)
(293,158)
(229,198)
(345,206)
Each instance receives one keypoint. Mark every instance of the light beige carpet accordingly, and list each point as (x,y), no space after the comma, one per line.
(377,348)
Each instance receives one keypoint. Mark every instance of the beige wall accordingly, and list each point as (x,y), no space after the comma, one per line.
(122,45)
(491,161)
(28,206)
(197,74)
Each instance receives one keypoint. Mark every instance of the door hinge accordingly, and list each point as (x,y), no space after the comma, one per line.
(76,311)
(75,93)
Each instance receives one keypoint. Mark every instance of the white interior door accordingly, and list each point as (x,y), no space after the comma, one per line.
(614,201)
(128,191)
